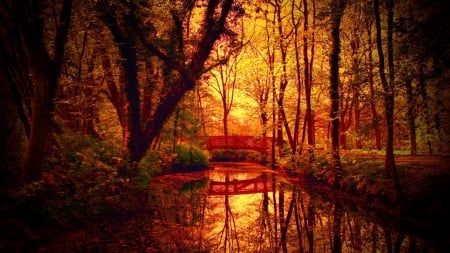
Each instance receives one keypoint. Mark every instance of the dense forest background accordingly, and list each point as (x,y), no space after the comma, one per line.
(139,76)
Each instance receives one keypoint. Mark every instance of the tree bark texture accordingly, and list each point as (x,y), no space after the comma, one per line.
(44,67)
(337,12)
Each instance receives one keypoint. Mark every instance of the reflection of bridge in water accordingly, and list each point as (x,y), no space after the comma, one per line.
(236,187)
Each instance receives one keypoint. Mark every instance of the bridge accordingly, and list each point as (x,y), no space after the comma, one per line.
(238,142)
(237,187)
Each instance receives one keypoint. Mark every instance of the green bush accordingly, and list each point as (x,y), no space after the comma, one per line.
(80,180)
(150,165)
(190,158)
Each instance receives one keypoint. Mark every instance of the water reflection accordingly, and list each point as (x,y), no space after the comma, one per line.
(225,210)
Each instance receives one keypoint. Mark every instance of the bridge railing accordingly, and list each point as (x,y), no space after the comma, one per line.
(238,142)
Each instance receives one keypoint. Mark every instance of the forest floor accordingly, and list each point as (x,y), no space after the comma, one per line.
(425,181)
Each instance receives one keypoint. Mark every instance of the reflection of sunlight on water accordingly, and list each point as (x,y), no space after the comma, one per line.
(244,209)
(233,215)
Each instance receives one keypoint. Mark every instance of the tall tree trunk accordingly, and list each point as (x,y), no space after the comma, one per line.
(296,24)
(45,72)
(133,132)
(283,82)
(388,88)
(271,70)
(308,83)
(373,108)
(388,98)
(40,125)
(280,95)
(336,17)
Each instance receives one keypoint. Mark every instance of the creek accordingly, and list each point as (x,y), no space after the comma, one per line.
(248,208)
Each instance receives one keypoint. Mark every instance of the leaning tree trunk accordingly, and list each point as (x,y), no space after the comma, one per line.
(186,69)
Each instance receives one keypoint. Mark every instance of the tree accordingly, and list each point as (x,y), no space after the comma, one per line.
(183,61)
(258,84)
(270,61)
(354,30)
(370,77)
(28,19)
(423,65)
(308,83)
(81,83)
(388,88)
(337,11)
(224,80)
(296,22)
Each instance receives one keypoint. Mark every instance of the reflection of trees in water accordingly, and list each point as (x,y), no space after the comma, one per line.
(299,235)
(179,213)
(260,233)
(290,220)
(332,226)
(314,225)
(337,220)
(228,238)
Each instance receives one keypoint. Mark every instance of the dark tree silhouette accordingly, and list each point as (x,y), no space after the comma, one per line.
(388,88)
(184,62)
(338,7)
(27,21)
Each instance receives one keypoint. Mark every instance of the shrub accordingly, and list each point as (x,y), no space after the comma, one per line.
(190,158)
(80,180)
(150,165)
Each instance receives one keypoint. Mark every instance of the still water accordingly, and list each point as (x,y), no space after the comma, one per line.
(247,208)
